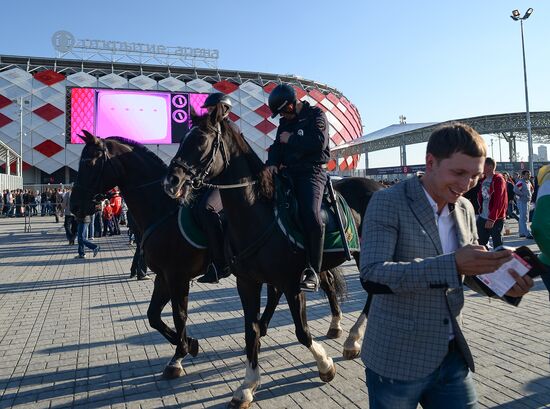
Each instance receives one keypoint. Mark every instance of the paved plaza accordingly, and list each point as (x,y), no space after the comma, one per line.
(74,333)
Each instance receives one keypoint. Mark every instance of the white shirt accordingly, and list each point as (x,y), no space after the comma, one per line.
(446,225)
(447,235)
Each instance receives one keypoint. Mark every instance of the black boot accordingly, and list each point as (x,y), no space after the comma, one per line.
(217,269)
(214,273)
(309,281)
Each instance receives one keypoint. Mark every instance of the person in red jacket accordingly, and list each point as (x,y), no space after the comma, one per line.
(116,204)
(493,203)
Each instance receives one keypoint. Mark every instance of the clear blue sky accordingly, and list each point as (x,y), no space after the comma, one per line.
(428,60)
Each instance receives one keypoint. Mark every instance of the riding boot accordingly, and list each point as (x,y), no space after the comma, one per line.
(217,268)
(309,280)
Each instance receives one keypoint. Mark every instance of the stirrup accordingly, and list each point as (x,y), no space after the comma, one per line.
(211,276)
(310,285)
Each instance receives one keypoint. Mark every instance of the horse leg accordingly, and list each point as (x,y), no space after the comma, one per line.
(159,299)
(179,295)
(327,284)
(273,297)
(297,304)
(352,345)
(249,292)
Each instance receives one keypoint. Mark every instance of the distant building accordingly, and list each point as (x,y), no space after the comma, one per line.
(543,153)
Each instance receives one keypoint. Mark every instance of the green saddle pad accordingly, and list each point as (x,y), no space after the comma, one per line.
(190,230)
(286,213)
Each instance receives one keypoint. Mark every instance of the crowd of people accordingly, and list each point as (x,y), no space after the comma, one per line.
(110,213)
(29,202)
(499,196)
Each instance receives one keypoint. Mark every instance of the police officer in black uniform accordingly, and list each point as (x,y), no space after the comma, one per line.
(209,204)
(302,147)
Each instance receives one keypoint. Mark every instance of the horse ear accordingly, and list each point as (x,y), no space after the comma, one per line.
(88,137)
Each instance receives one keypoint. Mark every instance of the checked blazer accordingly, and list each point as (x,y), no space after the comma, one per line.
(407,333)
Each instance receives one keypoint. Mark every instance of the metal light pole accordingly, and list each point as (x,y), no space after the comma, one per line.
(21,137)
(515,16)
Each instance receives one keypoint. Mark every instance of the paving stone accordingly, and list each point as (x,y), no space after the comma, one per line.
(75,333)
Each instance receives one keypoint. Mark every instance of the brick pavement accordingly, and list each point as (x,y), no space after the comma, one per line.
(74,333)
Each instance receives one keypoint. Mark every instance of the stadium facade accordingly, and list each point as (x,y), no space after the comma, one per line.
(35,93)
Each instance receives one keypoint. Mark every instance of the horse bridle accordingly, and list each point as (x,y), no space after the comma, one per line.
(197,178)
(91,191)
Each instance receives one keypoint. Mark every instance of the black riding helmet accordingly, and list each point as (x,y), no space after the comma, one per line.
(217,98)
(280,97)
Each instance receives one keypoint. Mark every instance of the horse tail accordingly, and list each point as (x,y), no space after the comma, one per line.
(336,278)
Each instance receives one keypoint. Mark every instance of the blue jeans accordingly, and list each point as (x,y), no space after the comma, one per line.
(82,234)
(450,386)
(523,214)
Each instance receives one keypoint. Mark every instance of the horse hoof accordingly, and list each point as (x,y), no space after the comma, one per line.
(238,404)
(172,372)
(351,353)
(329,376)
(194,347)
(334,333)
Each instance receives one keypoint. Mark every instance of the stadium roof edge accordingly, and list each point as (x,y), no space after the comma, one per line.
(262,77)
(507,125)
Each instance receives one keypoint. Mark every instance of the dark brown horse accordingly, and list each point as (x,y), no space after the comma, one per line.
(112,162)
(215,154)
(138,172)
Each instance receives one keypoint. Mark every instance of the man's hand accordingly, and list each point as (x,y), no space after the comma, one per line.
(522,286)
(473,260)
(284,137)
(489,224)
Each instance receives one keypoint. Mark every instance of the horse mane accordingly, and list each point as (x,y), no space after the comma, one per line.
(265,186)
(138,147)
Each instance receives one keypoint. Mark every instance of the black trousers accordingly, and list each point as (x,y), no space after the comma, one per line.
(309,185)
(495,232)
(70,227)
(207,211)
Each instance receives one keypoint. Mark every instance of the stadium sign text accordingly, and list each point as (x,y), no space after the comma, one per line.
(64,41)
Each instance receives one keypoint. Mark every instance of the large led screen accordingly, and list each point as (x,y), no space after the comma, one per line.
(148,117)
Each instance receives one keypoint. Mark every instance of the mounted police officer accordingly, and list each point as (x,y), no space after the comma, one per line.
(209,205)
(302,148)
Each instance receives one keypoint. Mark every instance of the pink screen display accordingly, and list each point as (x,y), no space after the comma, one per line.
(147,117)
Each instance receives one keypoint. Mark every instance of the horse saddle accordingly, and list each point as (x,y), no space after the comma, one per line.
(288,218)
(190,229)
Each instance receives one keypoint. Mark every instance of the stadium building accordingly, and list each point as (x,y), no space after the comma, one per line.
(45,102)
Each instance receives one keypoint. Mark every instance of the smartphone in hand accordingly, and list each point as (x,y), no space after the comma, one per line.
(536,267)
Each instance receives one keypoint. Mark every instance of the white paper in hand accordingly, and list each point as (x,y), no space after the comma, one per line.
(501,281)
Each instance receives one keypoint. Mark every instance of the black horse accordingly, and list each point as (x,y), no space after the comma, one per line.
(138,172)
(115,161)
(215,154)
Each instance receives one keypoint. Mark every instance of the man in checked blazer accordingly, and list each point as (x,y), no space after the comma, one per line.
(419,240)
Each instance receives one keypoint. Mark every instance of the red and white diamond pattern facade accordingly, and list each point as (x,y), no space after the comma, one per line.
(41,95)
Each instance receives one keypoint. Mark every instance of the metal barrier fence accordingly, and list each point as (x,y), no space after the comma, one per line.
(10,182)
